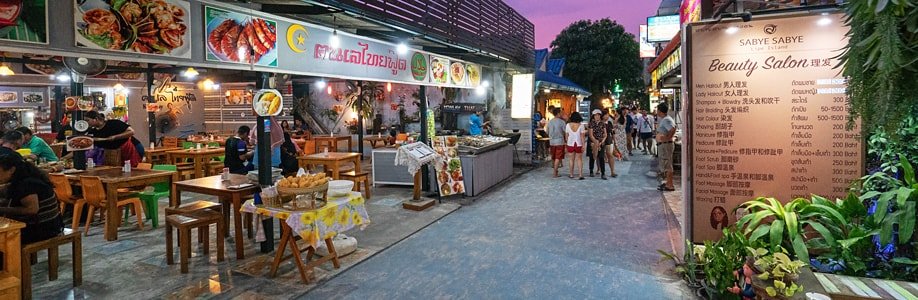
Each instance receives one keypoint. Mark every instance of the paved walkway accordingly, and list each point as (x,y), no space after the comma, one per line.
(535,238)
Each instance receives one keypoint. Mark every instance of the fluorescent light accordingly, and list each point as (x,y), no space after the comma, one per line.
(824,21)
(402,49)
(190,73)
(6,71)
(388,86)
(63,77)
(547,91)
(329,90)
(118,87)
(732,30)
(321,84)
(334,41)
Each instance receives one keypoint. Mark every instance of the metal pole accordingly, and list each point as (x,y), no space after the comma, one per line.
(58,105)
(151,116)
(360,122)
(422,108)
(79,157)
(263,133)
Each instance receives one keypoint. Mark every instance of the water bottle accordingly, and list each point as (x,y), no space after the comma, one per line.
(90,164)
(127,166)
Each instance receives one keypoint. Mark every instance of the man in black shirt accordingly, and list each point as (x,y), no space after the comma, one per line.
(11,142)
(237,152)
(111,135)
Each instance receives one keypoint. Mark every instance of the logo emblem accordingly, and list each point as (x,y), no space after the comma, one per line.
(771,28)
(296,38)
(418,66)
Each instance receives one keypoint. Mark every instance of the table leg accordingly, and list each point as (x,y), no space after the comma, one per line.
(350,146)
(112,218)
(227,207)
(336,173)
(237,226)
(198,167)
(357,164)
(279,254)
(332,253)
(296,251)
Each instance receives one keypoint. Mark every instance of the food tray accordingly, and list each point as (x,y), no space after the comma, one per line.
(303,191)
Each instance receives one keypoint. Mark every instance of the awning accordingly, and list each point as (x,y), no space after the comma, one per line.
(548,80)
(670,47)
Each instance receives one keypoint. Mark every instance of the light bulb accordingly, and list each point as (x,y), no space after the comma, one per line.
(320,84)
(329,90)
(6,71)
(547,91)
(334,41)
(388,86)
(732,30)
(190,73)
(63,78)
(485,83)
(118,87)
(402,49)
(480,91)
(208,84)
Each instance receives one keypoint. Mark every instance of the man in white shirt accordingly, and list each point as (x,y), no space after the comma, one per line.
(665,132)
(645,131)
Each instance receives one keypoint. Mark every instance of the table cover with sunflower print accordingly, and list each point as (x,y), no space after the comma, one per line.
(339,215)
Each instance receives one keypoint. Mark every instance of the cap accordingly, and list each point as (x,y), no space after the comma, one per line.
(596,111)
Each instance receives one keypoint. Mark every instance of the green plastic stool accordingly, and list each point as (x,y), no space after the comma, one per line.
(187,145)
(151,199)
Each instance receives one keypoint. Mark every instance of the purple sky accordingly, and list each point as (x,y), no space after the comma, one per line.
(551,16)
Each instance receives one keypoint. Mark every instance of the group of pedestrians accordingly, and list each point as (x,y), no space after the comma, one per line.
(611,135)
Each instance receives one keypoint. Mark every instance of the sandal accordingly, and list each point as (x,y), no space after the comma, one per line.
(613,175)
(665,189)
(581,178)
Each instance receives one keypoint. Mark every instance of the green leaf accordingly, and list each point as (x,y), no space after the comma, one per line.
(756,218)
(790,221)
(780,284)
(829,238)
(907,223)
(907,171)
(905,260)
(883,205)
(902,195)
(760,232)
(881,5)
(800,249)
(776,235)
(763,275)
(869,195)
(831,213)
(886,231)
(771,291)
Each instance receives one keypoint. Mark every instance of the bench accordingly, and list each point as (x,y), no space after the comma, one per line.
(69,236)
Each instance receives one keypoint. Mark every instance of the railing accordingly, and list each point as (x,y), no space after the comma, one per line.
(488,25)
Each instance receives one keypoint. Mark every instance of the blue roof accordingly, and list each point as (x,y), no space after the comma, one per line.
(540,56)
(546,79)
(556,66)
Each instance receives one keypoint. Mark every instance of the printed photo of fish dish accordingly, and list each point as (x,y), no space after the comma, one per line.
(233,37)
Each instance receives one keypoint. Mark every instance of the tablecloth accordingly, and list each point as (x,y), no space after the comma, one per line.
(314,226)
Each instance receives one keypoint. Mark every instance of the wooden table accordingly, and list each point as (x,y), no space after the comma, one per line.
(331,161)
(204,141)
(373,140)
(114,179)
(156,155)
(200,157)
(10,245)
(215,186)
(332,142)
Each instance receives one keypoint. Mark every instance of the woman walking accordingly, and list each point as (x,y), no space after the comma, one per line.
(610,143)
(598,136)
(575,136)
(620,143)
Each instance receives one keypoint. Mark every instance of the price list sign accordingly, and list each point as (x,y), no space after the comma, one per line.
(767,116)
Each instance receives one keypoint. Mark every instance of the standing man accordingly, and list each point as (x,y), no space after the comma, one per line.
(646,132)
(556,139)
(475,123)
(634,134)
(665,132)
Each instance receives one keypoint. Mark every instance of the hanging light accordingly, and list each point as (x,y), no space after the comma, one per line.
(63,77)
(190,73)
(329,89)
(480,90)
(402,48)
(6,71)
(321,84)
(388,87)
(118,87)
(208,84)
(334,41)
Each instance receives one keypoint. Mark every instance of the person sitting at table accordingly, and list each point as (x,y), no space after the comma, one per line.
(237,151)
(11,142)
(39,148)
(289,152)
(299,127)
(113,134)
(286,126)
(31,199)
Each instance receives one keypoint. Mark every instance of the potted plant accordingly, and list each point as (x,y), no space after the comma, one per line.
(776,275)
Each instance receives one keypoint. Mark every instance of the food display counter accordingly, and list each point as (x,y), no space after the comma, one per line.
(481,143)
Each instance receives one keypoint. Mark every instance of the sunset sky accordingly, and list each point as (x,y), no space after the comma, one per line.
(551,16)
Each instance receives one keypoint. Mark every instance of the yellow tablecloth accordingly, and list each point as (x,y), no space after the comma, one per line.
(339,215)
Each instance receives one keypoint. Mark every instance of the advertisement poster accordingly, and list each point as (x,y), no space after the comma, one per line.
(662,28)
(239,38)
(239,97)
(147,27)
(768,75)
(24,21)
(647,49)
(438,70)
(449,172)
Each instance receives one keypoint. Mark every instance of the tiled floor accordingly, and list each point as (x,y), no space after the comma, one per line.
(534,238)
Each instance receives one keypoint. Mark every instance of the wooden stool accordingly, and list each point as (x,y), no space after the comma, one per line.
(357,178)
(184,224)
(68,237)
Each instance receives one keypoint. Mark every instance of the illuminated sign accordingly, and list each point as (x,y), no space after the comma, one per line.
(690,11)
(647,49)
(521,105)
(662,28)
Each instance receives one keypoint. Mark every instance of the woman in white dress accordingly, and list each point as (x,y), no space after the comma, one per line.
(621,142)
(575,135)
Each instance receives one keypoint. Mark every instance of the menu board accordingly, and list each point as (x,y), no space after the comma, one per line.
(449,172)
(768,116)
(157,27)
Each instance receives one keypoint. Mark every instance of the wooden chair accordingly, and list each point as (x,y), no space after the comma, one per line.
(309,147)
(95,196)
(69,236)
(64,192)
(170,142)
(357,178)
(184,223)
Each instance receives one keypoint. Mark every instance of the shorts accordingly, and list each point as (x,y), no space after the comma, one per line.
(557,152)
(646,135)
(575,149)
(665,152)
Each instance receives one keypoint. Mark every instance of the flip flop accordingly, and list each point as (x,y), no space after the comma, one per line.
(581,178)
(665,189)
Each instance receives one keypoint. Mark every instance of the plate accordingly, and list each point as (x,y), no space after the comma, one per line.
(133,34)
(81,125)
(268,103)
(79,143)
(7,97)
(457,73)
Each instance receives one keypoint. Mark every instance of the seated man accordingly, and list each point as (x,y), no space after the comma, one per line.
(237,152)
(39,148)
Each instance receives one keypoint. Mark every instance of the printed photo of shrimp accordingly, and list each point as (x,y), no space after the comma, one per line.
(239,38)
(142,26)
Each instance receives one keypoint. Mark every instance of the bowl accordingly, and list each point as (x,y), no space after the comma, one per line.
(338,188)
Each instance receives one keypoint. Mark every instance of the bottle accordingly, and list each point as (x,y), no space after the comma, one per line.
(225,175)
(325,152)
(90,164)
(152,145)
(127,166)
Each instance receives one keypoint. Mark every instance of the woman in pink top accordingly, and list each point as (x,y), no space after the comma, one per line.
(575,136)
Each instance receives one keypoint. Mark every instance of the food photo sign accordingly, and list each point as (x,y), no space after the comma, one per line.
(776,74)
(24,21)
(240,38)
(161,27)
(449,172)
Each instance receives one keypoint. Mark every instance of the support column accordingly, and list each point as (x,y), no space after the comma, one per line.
(422,108)
(79,157)
(263,133)
(359,125)
(151,116)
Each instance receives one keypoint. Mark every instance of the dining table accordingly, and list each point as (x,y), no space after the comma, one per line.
(339,214)
(374,140)
(10,246)
(158,155)
(331,161)
(113,179)
(201,158)
(331,141)
(230,191)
